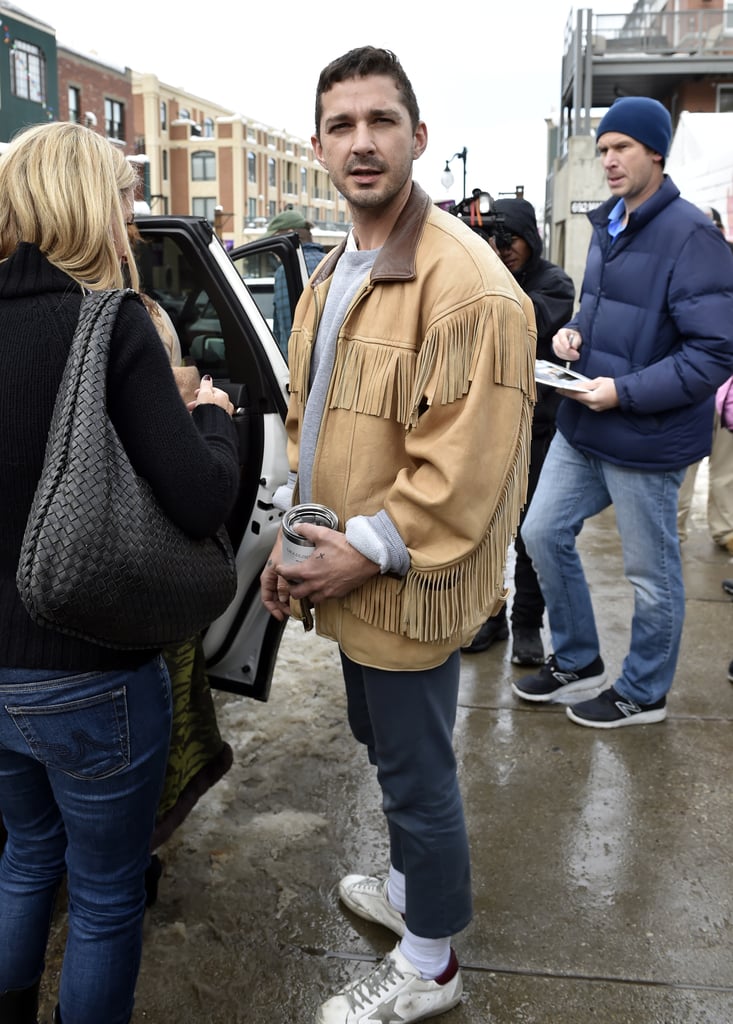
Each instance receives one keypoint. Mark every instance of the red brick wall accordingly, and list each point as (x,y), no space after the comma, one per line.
(697,97)
(96,82)
(226,178)
(179,180)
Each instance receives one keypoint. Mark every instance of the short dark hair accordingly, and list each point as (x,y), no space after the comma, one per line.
(358,63)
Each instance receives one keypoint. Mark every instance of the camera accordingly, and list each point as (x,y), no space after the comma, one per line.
(477,212)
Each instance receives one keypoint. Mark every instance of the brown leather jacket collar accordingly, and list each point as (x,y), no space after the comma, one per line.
(396,261)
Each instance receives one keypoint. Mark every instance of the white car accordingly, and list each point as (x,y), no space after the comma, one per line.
(222,328)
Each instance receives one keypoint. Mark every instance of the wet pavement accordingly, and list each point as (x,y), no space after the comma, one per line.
(602,860)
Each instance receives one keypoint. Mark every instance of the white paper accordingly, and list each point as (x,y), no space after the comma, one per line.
(557,376)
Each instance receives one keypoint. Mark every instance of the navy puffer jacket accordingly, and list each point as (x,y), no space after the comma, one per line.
(656,314)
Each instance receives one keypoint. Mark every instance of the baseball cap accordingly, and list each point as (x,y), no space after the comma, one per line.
(288,220)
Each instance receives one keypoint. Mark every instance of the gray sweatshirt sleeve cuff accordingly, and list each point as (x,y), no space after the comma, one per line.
(282,499)
(376,538)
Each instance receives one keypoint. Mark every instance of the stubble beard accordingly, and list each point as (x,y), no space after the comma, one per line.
(374,198)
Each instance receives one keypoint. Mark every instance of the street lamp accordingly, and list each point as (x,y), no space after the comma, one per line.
(446,178)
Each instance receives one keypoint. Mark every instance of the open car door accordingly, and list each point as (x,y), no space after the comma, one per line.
(222,329)
(274,270)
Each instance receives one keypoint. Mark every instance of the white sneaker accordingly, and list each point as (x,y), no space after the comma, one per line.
(366,896)
(394,993)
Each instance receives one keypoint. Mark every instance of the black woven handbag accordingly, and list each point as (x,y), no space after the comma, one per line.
(100,560)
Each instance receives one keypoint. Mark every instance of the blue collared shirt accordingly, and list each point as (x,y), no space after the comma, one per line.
(616,219)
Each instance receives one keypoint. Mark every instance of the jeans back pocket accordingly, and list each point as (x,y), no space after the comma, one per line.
(86,738)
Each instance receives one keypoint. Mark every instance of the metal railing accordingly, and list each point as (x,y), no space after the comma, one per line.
(667,33)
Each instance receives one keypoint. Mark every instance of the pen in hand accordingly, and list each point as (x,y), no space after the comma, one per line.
(571,339)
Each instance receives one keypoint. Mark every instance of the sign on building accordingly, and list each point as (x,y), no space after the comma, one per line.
(585,205)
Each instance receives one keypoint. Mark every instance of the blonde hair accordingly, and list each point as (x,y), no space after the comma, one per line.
(61,188)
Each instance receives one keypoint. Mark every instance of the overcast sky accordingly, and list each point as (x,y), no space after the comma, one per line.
(486,75)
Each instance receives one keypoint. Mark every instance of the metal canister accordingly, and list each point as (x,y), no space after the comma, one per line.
(295,547)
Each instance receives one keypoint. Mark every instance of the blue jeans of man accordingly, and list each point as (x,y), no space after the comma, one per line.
(82,762)
(406,721)
(574,486)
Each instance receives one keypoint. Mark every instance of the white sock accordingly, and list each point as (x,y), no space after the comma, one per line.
(396,889)
(430,956)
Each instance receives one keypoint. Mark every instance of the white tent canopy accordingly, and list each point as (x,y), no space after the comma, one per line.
(700,162)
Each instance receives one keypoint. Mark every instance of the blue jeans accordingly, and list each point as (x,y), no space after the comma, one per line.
(82,762)
(574,486)
(406,721)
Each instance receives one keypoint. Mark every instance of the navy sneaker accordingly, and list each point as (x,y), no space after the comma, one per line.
(727,586)
(551,681)
(609,710)
(730,671)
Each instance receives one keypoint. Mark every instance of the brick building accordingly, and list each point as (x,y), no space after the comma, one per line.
(97,95)
(196,157)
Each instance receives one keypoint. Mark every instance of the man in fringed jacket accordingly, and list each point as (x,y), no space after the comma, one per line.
(411,360)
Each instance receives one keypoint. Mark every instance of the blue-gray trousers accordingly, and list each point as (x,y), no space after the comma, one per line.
(406,721)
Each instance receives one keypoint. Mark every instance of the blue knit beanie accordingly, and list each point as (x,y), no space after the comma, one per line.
(644,119)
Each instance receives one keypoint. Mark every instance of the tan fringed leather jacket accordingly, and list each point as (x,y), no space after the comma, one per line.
(428,416)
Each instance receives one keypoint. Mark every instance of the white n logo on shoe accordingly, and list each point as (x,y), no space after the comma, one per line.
(564,677)
(627,707)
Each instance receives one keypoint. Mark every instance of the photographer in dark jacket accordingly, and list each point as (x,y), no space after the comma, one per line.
(552,293)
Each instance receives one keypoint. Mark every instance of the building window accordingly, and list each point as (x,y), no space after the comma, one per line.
(209,127)
(728,16)
(725,99)
(203,165)
(271,209)
(165,165)
(163,116)
(74,97)
(183,114)
(290,185)
(251,167)
(303,179)
(204,207)
(114,119)
(271,172)
(28,72)
(252,208)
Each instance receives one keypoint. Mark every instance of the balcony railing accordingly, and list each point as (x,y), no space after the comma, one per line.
(667,33)
(645,35)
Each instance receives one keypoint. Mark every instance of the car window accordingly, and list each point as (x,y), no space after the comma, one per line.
(171,276)
(258,270)
(263,292)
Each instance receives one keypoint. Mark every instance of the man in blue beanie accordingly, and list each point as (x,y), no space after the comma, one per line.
(654,333)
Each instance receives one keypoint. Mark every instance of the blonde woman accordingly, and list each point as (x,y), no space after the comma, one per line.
(84,730)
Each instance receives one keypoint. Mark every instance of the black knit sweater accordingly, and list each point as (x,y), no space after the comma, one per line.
(190,461)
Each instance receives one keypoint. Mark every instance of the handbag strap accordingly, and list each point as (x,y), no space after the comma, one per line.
(85,372)
(88,355)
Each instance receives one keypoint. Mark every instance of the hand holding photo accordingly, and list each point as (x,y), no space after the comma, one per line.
(556,376)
